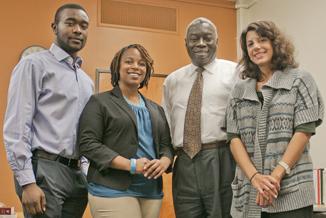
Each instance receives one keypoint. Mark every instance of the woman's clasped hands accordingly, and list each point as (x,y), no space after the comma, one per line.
(267,188)
(152,168)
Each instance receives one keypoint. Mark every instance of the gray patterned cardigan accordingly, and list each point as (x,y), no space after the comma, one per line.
(291,98)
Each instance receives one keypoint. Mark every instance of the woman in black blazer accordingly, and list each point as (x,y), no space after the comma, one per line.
(126,138)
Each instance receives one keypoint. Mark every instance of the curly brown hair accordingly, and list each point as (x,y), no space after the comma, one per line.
(283,50)
(115,65)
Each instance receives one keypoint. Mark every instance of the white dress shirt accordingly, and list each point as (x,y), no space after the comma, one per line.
(218,80)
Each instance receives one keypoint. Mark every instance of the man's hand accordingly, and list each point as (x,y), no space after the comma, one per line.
(33,199)
(156,167)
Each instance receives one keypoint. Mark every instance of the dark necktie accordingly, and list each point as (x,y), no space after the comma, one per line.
(192,130)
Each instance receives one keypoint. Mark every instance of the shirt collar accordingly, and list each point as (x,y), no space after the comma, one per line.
(208,67)
(62,55)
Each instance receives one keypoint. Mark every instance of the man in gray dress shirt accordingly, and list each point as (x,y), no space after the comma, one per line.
(47,93)
(202,181)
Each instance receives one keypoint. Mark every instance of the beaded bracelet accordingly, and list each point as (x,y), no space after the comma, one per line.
(253,176)
(133,164)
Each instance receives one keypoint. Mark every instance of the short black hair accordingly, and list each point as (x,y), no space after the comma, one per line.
(67,6)
(115,65)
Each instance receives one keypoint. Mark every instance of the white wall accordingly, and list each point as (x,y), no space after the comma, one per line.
(303,21)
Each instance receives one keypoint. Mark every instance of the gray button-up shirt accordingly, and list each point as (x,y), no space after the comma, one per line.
(46,96)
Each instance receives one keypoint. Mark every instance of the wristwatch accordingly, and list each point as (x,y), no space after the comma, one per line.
(285,166)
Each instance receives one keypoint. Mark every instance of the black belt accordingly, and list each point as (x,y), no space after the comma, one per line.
(204,146)
(72,163)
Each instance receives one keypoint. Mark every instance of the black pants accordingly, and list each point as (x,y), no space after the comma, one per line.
(64,188)
(305,212)
(202,185)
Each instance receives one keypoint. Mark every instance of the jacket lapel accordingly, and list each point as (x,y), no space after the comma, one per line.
(119,100)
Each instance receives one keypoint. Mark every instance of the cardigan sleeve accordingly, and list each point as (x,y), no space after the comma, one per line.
(90,134)
(309,106)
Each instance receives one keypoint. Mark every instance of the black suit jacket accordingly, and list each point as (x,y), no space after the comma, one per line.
(108,128)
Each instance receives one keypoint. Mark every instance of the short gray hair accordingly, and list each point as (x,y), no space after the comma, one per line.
(201,20)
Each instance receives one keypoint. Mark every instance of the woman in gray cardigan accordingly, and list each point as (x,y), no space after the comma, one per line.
(126,138)
(271,116)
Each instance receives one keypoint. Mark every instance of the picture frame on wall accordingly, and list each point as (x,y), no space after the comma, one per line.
(103,79)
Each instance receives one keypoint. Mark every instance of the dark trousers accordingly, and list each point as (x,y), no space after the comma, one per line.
(305,212)
(64,188)
(202,185)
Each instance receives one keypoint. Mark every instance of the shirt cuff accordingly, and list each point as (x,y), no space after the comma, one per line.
(306,127)
(25,177)
(231,136)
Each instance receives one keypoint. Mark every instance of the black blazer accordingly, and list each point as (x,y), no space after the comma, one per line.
(108,128)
